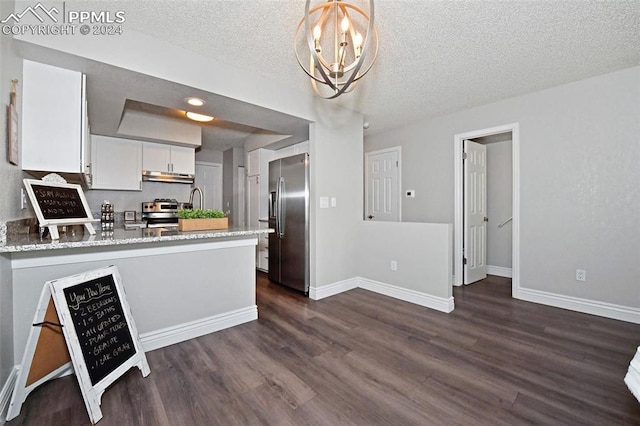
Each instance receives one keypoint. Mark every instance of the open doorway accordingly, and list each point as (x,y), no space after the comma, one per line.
(484,137)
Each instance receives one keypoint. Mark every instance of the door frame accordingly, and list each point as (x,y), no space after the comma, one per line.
(458,230)
(397,149)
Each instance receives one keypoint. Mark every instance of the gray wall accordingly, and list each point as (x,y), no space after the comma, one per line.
(499,196)
(208,155)
(228,285)
(132,200)
(579,156)
(422,251)
(11,181)
(11,176)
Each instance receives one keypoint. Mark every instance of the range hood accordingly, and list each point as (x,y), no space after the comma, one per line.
(167,177)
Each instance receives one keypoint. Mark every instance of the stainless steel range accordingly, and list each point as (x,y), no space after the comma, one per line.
(160,213)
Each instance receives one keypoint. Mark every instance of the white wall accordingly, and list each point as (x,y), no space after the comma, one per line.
(499,203)
(336,170)
(580,198)
(422,252)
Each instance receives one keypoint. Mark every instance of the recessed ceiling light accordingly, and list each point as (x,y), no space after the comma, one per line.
(199,117)
(195,101)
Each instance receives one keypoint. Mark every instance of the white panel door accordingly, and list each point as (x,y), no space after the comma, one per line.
(209,179)
(383,186)
(475,212)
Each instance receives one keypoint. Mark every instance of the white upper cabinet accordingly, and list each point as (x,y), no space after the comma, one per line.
(54,120)
(158,157)
(183,159)
(117,163)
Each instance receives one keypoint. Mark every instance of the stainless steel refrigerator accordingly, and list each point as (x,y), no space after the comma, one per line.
(289,216)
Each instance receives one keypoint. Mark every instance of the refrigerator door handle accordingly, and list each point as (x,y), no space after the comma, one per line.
(276,208)
(281,208)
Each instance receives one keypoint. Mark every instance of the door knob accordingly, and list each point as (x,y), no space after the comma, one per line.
(370,217)
(486,219)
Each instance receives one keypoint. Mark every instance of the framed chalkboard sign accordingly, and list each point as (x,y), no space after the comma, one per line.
(99,330)
(58,203)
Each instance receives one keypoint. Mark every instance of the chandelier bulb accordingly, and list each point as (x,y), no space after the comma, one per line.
(351,52)
(358,40)
(344,24)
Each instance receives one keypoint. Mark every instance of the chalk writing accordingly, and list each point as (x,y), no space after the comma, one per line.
(59,203)
(101,326)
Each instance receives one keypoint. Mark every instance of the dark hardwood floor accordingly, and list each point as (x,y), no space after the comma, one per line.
(366,359)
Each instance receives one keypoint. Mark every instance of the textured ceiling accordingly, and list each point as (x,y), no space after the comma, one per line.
(435,56)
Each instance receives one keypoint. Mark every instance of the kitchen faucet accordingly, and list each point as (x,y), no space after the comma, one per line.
(197,188)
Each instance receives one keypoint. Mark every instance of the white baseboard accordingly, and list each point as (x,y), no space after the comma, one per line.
(7,391)
(332,289)
(438,303)
(499,271)
(171,335)
(603,309)
(433,302)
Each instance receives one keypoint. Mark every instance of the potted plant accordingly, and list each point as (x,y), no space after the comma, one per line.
(199,220)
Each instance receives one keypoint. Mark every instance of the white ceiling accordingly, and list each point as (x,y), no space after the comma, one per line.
(435,57)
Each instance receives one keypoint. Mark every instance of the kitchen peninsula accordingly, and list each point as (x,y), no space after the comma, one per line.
(180,285)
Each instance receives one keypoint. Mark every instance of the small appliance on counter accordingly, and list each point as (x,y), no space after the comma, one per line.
(160,213)
(107,216)
(131,222)
(107,219)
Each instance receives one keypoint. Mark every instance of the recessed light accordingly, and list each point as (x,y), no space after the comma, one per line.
(195,101)
(199,117)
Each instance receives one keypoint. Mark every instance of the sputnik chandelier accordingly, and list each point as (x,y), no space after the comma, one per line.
(339,43)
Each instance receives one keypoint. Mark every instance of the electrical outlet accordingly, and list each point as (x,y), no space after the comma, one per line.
(581,275)
(394,265)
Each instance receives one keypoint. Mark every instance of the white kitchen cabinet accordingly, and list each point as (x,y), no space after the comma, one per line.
(183,159)
(262,261)
(158,157)
(258,200)
(54,120)
(258,165)
(117,163)
(253,200)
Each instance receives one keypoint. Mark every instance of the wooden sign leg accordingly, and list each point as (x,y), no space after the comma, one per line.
(45,356)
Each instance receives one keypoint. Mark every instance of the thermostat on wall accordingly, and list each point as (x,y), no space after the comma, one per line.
(410,193)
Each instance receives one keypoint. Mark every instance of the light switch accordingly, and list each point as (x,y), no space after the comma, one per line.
(334,202)
(324,202)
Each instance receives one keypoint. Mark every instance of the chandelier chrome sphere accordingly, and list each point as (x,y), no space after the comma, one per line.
(339,43)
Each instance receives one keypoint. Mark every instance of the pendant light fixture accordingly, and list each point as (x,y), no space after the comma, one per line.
(336,44)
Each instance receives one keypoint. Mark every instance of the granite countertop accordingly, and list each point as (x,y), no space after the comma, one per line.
(78,237)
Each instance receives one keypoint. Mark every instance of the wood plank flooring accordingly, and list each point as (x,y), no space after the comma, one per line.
(365,359)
